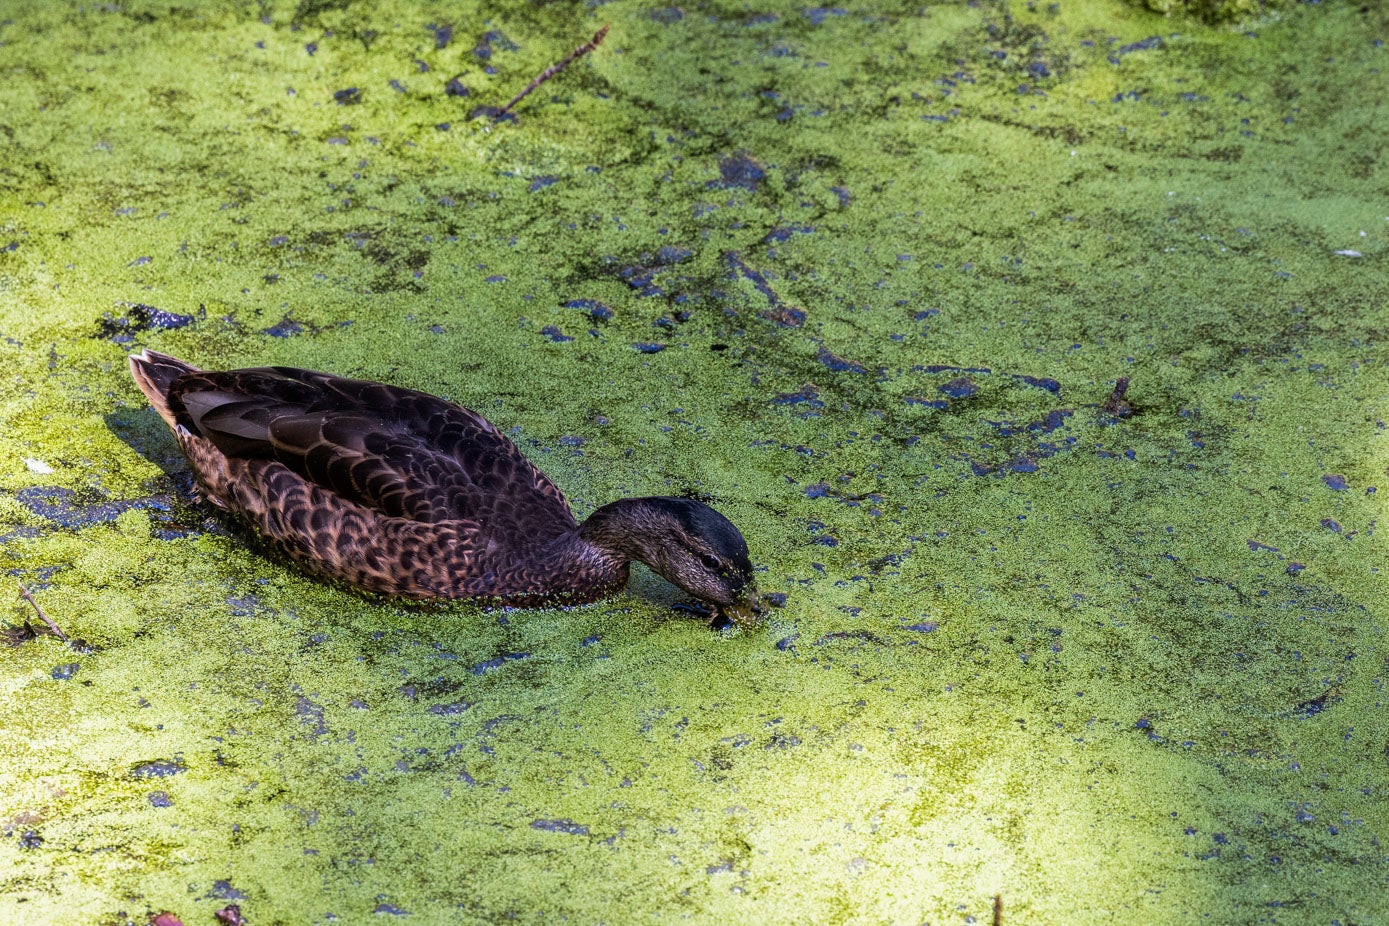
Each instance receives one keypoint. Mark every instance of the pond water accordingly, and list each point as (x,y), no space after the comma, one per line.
(863,277)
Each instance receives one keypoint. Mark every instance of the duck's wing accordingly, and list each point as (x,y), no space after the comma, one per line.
(403,453)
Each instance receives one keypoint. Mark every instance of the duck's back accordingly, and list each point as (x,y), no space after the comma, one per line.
(313,455)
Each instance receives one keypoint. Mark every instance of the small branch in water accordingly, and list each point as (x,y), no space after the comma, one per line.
(998,910)
(549,72)
(28,596)
(1116,404)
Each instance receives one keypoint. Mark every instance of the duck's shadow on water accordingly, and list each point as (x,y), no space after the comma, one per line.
(170,498)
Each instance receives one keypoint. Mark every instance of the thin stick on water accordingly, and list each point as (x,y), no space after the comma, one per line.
(29,597)
(554,69)
(998,910)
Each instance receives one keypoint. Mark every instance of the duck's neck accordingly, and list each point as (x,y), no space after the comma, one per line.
(576,567)
(624,529)
(570,569)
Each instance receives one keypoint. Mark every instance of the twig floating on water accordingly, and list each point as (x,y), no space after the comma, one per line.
(1116,404)
(28,596)
(998,910)
(554,69)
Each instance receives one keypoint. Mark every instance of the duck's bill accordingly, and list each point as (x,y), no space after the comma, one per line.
(745,613)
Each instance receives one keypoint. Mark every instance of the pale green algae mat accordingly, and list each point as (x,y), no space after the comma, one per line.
(865,277)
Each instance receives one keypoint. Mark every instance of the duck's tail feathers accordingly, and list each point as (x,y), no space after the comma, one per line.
(155,374)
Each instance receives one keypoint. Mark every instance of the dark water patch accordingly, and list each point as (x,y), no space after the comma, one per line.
(924,627)
(138,317)
(496,662)
(1314,706)
(808,396)
(961,388)
(455,87)
(348,96)
(434,688)
(697,608)
(641,275)
(248,605)
(284,328)
(311,712)
(390,909)
(222,890)
(560,825)
(497,40)
(861,636)
(1335,482)
(740,171)
(1041,382)
(817,15)
(782,741)
(160,768)
(595,309)
(1148,44)
(782,233)
(443,35)
(837,363)
(495,113)
(941,368)
(540,183)
(159,799)
(64,507)
(649,347)
(65,672)
(1048,423)
(554,334)
(670,254)
(778,311)
(1023,463)
(450,710)
(939,404)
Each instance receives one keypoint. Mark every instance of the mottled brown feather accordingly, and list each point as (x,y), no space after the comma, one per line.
(403,493)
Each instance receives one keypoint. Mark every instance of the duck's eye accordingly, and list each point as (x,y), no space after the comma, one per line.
(710,562)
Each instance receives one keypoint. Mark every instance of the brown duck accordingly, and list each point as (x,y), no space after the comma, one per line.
(399,492)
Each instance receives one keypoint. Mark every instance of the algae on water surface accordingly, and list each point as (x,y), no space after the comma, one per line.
(863,276)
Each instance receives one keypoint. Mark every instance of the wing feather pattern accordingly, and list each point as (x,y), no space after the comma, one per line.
(402,453)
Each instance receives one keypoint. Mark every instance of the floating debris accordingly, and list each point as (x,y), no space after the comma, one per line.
(1116,404)
(545,75)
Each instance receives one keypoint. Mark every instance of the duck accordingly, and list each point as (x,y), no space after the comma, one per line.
(408,495)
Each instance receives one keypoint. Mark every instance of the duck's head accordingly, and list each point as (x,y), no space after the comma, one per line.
(685,542)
